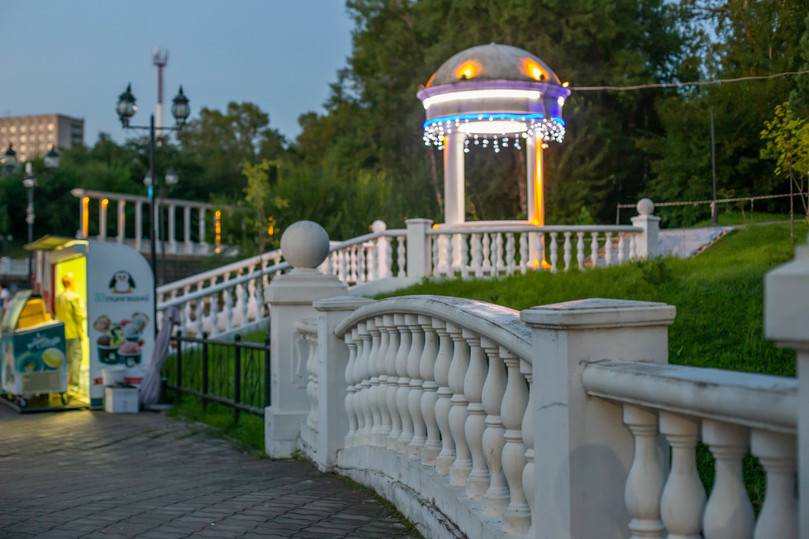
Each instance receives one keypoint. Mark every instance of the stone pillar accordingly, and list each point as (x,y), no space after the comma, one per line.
(647,242)
(304,245)
(583,454)
(454,201)
(418,247)
(786,321)
(332,361)
(138,224)
(121,226)
(534,199)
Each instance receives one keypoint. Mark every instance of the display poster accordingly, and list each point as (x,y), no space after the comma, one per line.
(34,360)
(119,313)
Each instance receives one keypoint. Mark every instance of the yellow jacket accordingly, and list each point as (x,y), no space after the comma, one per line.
(69,310)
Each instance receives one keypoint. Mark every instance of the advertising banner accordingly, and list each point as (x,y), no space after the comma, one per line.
(119,313)
(34,360)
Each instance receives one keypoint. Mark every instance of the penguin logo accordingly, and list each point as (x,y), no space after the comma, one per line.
(122,282)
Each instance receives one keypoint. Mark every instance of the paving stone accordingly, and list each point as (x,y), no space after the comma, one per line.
(95,475)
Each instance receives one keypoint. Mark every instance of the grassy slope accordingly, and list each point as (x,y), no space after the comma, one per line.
(718,295)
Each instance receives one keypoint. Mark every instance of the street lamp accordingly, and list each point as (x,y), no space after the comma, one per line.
(9,160)
(29,182)
(126,108)
(51,158)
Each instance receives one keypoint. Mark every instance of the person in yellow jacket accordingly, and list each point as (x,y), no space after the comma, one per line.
(70,311)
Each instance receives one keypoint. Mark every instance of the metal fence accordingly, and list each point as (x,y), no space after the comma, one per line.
(233,373)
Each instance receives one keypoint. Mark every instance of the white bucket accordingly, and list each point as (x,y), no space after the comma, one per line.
(112,375)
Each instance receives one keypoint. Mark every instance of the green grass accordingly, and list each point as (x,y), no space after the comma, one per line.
(748,218)
(718,294)
(247,432)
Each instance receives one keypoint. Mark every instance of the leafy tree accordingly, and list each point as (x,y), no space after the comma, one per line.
(786,139)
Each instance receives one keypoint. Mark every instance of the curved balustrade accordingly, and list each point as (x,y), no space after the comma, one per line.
(306,362)
(440,386)
(487,251)
(730,412)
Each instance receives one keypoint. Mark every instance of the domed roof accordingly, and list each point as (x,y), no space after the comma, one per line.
(493,62)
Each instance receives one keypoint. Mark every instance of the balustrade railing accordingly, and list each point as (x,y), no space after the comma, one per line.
(732,413)
(192,238)
(443,383)
(306,358)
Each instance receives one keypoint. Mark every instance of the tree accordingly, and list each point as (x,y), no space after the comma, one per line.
(786,139)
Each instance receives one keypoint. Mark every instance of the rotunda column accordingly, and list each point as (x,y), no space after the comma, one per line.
(454,201)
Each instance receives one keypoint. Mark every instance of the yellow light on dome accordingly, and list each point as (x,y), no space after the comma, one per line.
(531,68)
(468,70)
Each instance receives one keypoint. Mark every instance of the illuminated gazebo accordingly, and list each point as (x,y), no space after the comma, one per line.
(492,97)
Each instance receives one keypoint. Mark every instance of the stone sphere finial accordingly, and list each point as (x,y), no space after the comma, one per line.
(645,206)
(378,226)
(305,244)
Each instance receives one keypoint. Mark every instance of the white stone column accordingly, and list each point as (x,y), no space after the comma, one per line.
(583,453)
(138,224)
(535,210)
(454,201)
(102,218)
(305,245)
(121,221)
(786,319)
(332,361)
(201,229)
(189,247)
(647,242)
(172,228)
(418,247)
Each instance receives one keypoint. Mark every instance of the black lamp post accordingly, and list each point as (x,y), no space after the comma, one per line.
(9,160)
(29,181)
(126,109)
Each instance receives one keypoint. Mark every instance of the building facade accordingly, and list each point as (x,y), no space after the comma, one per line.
(32,136)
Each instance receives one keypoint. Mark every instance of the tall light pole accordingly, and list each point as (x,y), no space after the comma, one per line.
(126,109)
(29,181)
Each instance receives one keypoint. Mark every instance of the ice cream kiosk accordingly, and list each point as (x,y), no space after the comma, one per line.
(33,351)
(115,283)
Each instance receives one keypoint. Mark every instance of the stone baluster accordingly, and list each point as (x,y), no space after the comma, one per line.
(728,513)
(487,254)
(442,406)
(381,368)
(401,256)
(462,465)
(356,376)
(499,263)
(644,483)
(435,247)
(350,339)
(311,382)
(523,252)
(528,440)
(227,297)
(517,517)
(388,256)
(495,499)
(363,366)
(199,317)
(608,250)
(416,442)
(566,250)
(213,314)
(554,253)
(594,249)
(580,250)
(621,247)
(120,222)
(138,224)
(429,396)
(394,323)
(478,481)
(201,228)
(779,513)
(464,256)
(475,247)
(403,391)
(683,495)
(374,435)
(511,264)
(189,247)
(361,264)
(172,228)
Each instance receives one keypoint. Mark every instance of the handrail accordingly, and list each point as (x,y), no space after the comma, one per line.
(79,193)
(307,326)
(752,400)
(227,268)
(444,230)
(204,292)
(498,324)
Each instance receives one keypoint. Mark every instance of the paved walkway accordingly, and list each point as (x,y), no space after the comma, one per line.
(86,474)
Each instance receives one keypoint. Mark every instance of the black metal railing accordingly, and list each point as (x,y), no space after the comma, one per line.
(231,373)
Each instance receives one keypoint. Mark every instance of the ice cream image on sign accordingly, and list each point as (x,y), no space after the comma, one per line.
(120,342)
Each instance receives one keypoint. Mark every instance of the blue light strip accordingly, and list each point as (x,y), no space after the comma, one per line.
(486,117)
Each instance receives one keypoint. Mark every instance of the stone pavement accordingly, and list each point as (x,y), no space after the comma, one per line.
(90,474)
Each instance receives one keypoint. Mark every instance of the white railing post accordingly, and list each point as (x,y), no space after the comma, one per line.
(646,244)
(102,218)
(305,245)
(583,453)
(418,247)
(172,228)
(189,248)
(786,319)
(332,360)
(121,221)
(201,229)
